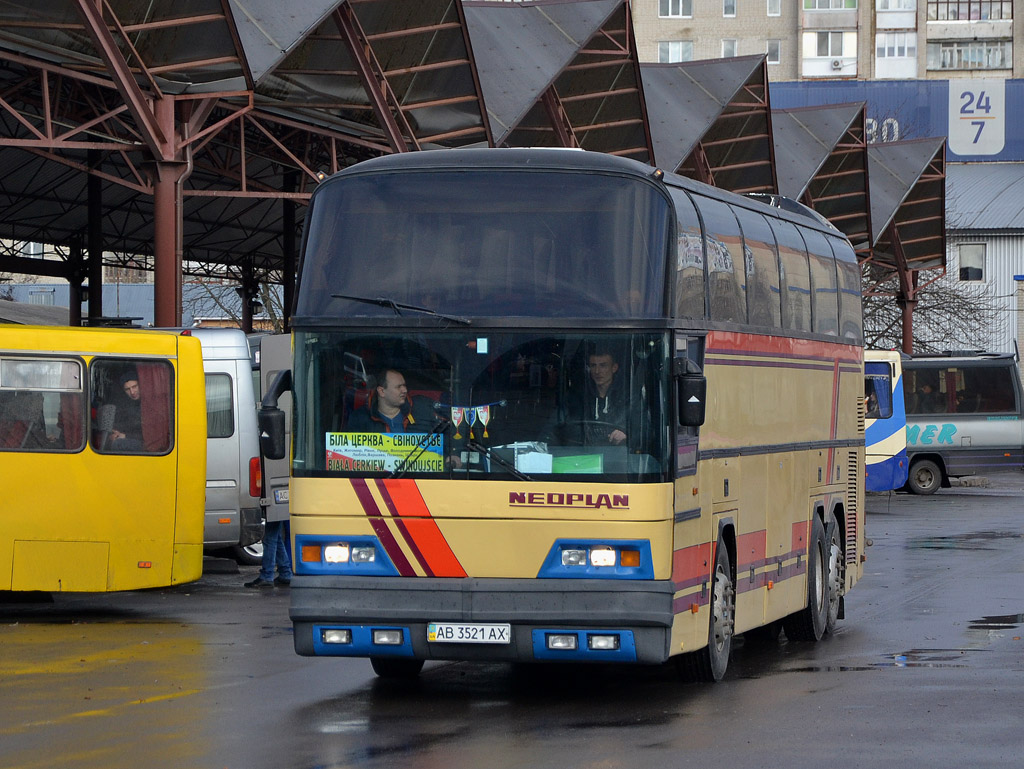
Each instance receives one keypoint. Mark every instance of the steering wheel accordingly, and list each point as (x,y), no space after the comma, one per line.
(592,432)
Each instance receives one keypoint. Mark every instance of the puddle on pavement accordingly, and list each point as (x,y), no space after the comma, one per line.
(978,540)
(1000,622)
(926,658)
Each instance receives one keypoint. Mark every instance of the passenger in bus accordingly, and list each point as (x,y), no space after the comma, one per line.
(926,400)
(126,434)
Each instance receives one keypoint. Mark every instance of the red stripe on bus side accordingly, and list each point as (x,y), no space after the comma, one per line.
(755,344)
(405,501)
(380,527)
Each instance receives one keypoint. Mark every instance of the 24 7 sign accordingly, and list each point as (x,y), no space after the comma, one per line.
(977,116)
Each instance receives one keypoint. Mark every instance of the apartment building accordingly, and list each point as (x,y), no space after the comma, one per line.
(848,39)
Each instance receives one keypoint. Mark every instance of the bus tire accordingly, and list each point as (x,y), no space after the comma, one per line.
(925,477)
(835,571)
(710,663)
(396,667)
(809,623)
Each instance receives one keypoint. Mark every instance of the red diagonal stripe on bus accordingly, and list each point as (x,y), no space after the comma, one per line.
(405,502)
(410,540)
(380,527)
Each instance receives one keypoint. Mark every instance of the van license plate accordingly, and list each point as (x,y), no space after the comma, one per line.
(280,496)
(468,633)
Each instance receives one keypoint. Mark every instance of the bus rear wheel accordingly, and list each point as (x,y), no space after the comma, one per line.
(809,623)
(710,663)
(925,477)
(836,572)
(396,667)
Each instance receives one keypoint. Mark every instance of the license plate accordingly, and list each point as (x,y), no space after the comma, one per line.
(468,633)
(280,495)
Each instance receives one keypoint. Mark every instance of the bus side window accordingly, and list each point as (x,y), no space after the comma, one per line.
(41,405)
(132,406)
(796,279)
(762,270)
(689,258)
(824,293)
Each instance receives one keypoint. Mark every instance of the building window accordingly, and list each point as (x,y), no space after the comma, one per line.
(896,45)
(774,51)
(728,48)
(897,5)
(729,8)
(673,51)
(970,54)
(675,9)
(830,44)
(970,10)
(774,7)
(972,261)
(829,5)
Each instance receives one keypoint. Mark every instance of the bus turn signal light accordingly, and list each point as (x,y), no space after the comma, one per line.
(629,558)
(310,553)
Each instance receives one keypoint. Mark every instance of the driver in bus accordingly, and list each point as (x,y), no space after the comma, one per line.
(602,410)
(389,408)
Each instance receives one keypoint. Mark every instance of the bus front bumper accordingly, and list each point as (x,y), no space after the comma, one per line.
(635,615)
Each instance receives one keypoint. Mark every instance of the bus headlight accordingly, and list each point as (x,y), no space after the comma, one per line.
(574,557)
(364,554)
(337,553)
(602,555)
(337,636)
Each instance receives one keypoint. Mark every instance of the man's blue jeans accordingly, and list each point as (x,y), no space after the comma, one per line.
(276,535)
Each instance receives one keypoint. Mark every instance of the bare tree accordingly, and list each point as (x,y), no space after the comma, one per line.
(214,299)
(950,314)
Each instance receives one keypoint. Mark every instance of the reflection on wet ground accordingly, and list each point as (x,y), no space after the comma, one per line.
(979,540)
(1001,622)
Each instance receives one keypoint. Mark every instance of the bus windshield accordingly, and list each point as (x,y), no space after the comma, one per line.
(441,240)
(483,405)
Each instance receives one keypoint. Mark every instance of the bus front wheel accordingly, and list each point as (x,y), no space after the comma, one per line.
(709,664)
(809,623)
(925,477)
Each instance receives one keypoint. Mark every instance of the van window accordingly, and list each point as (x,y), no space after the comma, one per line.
(220,417)
(131,406)
(960,390)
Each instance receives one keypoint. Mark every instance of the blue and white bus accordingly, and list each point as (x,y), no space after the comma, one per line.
(885,423)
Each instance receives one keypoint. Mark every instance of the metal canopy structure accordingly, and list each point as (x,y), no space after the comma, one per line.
(821,159)
(561,73)
(908,211)
(168,131)
(710,120)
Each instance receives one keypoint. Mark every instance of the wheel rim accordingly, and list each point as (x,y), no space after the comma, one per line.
(819,580)
(722,609)
(835,578)
(925,477)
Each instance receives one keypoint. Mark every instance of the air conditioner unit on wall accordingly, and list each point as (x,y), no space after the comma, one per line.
(837,63)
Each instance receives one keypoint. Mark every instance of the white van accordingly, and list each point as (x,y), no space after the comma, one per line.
(233,473)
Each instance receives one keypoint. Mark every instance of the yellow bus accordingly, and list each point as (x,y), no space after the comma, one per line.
(561,406)
(102,459)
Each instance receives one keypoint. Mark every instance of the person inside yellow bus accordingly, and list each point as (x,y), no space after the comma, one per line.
(602,411)
(126,434)
(389,408)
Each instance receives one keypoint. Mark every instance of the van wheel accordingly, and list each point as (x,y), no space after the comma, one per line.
(250,555)
(925,477)
(809,623)
(396,667)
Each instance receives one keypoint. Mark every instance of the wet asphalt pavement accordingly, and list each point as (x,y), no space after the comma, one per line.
(927,669)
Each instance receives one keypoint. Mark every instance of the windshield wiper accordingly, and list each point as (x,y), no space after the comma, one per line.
(383,301)
(421,446)
(504,464)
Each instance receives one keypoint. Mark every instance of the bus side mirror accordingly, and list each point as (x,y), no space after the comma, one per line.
(691,392)
(271,418)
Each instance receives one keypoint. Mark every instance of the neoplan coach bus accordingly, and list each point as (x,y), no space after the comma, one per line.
(631,415)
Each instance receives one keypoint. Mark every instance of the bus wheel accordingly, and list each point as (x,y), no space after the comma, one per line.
(835,571)
(808,624)
(709,664)
(925,477)
(396,667)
